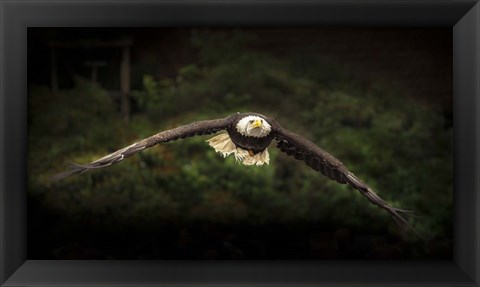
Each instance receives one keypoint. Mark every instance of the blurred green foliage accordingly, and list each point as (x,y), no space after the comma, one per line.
(400,147)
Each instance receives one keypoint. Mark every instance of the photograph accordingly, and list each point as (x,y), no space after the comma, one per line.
(239,143)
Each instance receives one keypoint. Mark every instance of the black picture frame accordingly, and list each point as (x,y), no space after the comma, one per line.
(462,16)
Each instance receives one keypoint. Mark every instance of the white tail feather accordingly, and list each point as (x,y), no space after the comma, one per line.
(225,146)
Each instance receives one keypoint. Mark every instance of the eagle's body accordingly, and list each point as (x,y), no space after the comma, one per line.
(248,136)
(248,146)
(254,144)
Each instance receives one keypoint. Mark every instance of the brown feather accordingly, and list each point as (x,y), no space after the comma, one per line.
(189,130)
(320,160)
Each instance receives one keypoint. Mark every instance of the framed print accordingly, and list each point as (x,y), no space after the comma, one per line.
(390,89)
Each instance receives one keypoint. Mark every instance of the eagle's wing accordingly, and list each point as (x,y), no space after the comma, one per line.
(189,130)
(318,159)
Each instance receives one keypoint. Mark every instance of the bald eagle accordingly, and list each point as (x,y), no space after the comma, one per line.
(247,136)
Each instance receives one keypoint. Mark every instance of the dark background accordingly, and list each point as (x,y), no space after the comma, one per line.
(378,99)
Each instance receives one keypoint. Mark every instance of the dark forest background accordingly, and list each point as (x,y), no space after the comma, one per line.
(380,100)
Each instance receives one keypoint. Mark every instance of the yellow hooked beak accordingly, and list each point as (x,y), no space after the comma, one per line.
(257,123)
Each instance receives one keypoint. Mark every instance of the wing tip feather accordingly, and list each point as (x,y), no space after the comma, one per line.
(75,168)
(398,214)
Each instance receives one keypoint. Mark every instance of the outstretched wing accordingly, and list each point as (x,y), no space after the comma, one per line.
(189,130)
(320,160)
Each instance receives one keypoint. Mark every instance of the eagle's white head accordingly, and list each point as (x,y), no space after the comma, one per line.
(253,126)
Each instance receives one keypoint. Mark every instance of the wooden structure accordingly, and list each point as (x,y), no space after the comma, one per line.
(94,65)
(124,45)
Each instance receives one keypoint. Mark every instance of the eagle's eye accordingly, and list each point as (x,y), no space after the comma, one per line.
(251,122)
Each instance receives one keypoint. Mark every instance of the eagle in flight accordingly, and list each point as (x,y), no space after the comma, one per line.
(247,136)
